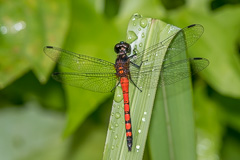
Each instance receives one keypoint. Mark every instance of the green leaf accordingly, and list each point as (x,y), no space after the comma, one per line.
(172,129)
(25,28)
(143,33)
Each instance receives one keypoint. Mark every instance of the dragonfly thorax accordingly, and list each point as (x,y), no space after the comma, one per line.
(122,48)
(122,65)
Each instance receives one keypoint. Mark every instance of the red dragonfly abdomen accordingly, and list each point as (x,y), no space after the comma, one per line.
(125,86)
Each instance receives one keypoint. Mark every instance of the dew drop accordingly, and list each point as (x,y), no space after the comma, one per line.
(112,147)
(134,24)
(116,125)
(118,106)
(117,115)
(136,16)
(149,94)
(139,29)
(118,94)
(139,131)
(131,36)
(143,22)
(145,113)
(116,136)
(140,44)
(111,127)
(143,35)
(135,50)
(143,119)
(138,146)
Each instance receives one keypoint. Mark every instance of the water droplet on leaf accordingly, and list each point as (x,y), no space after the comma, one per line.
(136,16)
(143,22)
(117,115)
(131,36)
(118,94)
(138,146)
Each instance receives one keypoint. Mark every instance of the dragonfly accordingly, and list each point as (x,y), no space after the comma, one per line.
(130,67)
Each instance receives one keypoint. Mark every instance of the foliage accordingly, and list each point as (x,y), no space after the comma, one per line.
(30,98)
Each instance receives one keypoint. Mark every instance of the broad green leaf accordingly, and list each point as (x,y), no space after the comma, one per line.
(27,26)
(142,33)
(172,126)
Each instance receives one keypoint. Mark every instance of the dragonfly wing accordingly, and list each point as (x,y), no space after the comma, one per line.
(170,73)
(78,62)
(146,77)
(175,44)
(183,39)
(97,82)
(179,70)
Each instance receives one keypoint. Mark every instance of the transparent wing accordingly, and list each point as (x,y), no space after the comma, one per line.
(78,62)
(170,73)
(174,43)
(97,82)
(177,71)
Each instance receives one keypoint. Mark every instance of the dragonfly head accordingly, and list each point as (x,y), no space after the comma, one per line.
(122,48)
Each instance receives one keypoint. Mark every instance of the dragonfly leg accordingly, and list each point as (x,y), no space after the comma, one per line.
(132,56)
(142,62)
(135,65)
(135,84)
(115,86)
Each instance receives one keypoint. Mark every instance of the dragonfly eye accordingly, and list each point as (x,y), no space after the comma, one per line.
(122,47)
(117,48)
(127,47)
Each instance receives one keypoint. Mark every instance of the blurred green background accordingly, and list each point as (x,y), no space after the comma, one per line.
(42,119)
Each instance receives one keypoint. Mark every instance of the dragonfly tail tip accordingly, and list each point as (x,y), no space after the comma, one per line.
(129,147)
